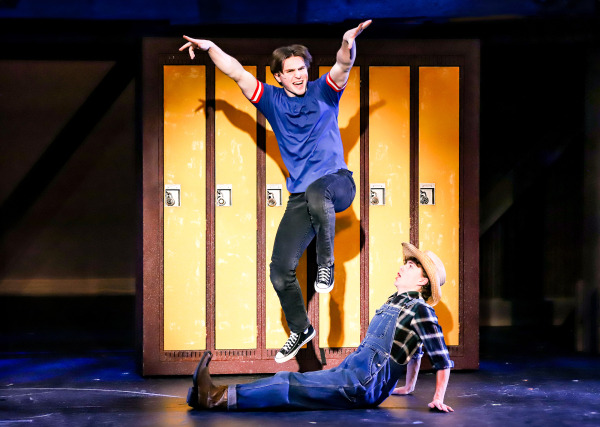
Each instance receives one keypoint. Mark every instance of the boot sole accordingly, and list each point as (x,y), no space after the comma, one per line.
(201,364)
(189,397)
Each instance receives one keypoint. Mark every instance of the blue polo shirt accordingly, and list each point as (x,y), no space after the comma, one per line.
(306,128)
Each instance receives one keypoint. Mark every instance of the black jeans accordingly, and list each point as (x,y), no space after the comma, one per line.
(307,215)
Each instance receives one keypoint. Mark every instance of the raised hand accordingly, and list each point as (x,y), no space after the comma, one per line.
(352,34)
(195,43)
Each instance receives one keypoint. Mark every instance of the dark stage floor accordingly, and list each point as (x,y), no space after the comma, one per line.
(103,388)
(70,363)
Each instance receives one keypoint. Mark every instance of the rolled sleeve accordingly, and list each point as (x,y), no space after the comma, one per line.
(430,332)
(418,353)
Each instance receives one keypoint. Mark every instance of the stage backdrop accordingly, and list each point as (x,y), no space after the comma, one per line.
(214,193)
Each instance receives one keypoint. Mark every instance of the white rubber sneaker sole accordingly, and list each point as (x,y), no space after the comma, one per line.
(323,290)
(283,359)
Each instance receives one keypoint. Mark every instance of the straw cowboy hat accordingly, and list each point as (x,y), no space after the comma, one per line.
(434,268)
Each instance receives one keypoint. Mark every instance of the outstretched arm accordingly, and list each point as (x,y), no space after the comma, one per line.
(426,324)
(441,382)
(346,55)
(224,62)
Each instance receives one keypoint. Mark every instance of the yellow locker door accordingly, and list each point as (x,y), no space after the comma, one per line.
(184,214)
(439,184)
(339,311)
(235,217)
(276,329)
(389,178)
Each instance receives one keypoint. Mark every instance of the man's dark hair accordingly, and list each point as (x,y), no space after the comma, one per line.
(282,53)
(426,289)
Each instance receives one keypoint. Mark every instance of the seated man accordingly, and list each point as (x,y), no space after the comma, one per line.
(366,377)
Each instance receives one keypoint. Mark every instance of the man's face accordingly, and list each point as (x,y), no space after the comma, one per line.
(410,277)
(294,76)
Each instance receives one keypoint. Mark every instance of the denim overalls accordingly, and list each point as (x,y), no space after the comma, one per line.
(364,379)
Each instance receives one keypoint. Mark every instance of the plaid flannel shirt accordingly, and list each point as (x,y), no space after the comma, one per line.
(418,326)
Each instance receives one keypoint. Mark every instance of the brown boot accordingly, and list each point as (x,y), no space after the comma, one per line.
(204,394)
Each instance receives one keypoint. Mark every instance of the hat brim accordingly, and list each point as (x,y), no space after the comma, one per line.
(410,251)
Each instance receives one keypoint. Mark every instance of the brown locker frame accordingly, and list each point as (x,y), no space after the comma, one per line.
(158,52)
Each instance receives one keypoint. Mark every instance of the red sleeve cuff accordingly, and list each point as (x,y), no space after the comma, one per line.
(258,92)
(332,84)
